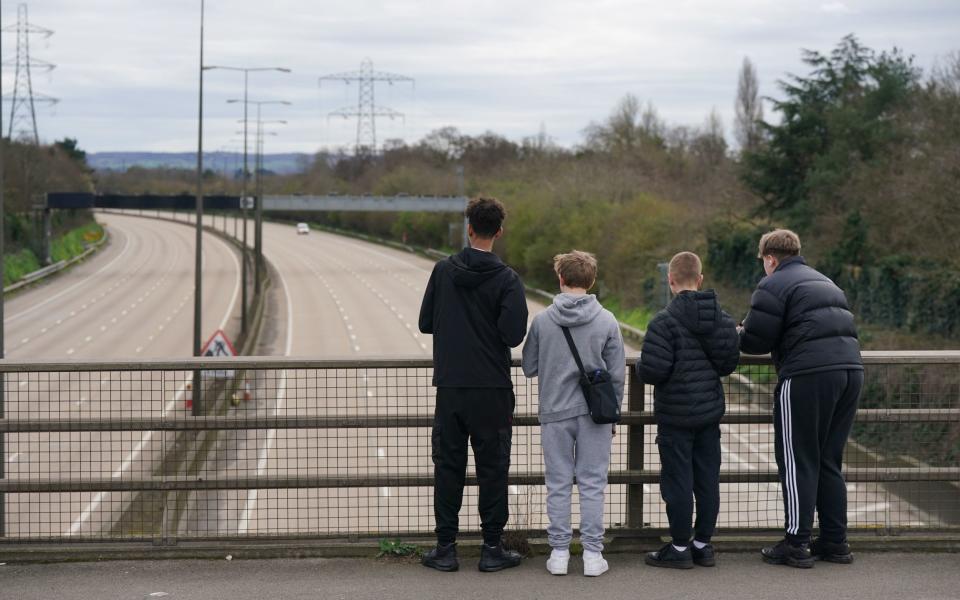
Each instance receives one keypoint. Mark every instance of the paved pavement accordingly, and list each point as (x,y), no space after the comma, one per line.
(737,576)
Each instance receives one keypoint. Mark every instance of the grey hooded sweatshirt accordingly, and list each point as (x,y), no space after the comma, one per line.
(546,353)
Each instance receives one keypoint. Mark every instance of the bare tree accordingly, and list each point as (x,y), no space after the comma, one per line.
(749,109)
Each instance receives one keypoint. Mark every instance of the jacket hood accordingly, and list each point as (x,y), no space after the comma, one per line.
(697,311)
(570,310)
(472,267)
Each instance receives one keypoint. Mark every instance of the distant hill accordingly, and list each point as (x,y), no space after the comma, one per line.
(226,162)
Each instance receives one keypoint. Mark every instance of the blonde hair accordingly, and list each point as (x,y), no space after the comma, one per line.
(779,243)
(577,269)
(686,268)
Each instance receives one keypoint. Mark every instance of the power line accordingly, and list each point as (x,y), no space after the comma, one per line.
(23,99)
(366,111)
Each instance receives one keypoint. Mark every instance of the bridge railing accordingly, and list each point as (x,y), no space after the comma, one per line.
(289,448)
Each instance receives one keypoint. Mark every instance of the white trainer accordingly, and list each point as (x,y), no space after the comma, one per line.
(594,564)
(558,562)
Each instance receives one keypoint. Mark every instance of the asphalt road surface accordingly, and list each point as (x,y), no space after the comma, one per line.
(133,299)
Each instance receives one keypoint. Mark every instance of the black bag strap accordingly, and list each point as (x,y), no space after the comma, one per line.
(573,349)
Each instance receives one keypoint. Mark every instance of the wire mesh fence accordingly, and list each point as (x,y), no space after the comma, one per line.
(260,447)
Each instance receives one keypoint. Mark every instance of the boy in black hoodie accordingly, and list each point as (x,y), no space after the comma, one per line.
(476,309)
(688,347)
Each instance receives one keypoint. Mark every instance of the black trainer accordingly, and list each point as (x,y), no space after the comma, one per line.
(442,558)
(705,557)
(786,554)
(496,558)
(670,557)
(831,551)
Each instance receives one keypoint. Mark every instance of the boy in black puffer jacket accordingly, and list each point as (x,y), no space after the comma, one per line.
(802,318)
(688,347)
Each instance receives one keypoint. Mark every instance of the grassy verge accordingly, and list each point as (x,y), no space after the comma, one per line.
(65,247)
(635,316)
(17,265)
(75,242)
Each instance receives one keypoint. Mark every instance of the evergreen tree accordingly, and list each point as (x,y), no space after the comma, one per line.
(831,120)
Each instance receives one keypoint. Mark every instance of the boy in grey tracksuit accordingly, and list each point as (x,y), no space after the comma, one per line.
(573,445)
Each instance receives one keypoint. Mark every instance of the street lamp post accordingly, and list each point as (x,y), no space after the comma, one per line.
(243,198)
(258,225)
(198,279)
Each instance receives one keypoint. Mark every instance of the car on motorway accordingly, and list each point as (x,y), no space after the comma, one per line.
(303,229)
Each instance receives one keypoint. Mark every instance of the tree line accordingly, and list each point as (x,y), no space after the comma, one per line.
(860,155)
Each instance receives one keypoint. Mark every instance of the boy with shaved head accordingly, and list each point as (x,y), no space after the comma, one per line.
(688,347)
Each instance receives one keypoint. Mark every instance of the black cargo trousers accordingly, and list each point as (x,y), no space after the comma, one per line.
(812,418)
(484,417)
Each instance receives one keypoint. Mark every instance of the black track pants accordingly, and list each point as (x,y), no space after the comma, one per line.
(484,417)
(812,417)
(690,468)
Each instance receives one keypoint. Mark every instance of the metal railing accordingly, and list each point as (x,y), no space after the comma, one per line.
(287,448)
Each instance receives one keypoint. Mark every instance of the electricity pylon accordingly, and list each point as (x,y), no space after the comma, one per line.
(366,110)
(23,99)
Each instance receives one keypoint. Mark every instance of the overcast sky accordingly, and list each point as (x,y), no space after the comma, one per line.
(126,69)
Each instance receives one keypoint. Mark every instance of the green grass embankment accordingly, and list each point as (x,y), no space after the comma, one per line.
(19,264)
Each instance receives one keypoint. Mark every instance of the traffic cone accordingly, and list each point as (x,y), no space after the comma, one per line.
(188,397)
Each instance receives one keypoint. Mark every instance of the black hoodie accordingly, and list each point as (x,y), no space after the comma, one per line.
(685,370)
(476,310)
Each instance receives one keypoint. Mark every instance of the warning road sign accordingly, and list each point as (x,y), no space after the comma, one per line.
(218,345)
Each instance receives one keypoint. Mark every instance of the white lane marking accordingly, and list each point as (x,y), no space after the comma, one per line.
(754,450)
(129,460)
(871,508)
(89,278)
(148,435)
(251,503)
(736,458)
(236,285)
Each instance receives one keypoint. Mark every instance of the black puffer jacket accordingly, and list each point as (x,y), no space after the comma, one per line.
(802,318)
(686,374)
(476,309)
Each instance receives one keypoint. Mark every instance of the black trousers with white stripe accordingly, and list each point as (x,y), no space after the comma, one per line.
(812,417)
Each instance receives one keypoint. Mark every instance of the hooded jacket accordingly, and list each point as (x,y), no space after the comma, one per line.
(685,370)
(546,354)
(476,309)
(802,318)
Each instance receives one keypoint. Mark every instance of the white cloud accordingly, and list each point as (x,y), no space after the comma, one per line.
(127,69)
(838,8)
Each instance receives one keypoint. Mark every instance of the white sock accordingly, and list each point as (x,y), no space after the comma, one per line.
(699,545)
(679,548)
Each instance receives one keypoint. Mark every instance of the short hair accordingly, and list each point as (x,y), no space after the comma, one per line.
(779,243)
(577,269)
(685,267)
(486,216)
